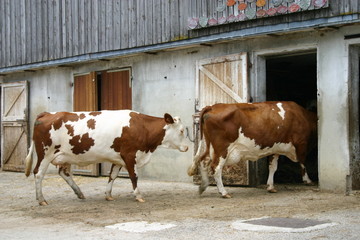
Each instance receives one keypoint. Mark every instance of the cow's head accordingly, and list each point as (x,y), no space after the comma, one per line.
(174,134)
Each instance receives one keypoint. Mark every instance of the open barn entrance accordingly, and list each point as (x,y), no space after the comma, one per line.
(293,78)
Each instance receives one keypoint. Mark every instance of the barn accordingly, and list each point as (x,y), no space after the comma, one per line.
(178,56)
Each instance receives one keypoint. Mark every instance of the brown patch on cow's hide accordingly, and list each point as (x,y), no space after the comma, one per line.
(82,116)
(81,144)
(41,137)
(57,148)
(116,144)
(145,134)
(42,115)
(65,169)
(37,122)
(94,114)
(70,129)
(91,123)
(57,124)
(72,117)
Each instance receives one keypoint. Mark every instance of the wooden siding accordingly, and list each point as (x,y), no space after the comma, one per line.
(40,30)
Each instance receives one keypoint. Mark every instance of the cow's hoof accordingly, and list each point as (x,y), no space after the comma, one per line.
(309,183)
(109,198)
(226,196)
(43,203)
(201,189)
(273,190)
(141,200)
(81,196)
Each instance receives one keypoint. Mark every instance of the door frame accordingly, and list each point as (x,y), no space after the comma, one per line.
(258,88)
(258,73)
(353,181)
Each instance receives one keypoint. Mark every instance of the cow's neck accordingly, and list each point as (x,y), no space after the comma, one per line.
(152,132)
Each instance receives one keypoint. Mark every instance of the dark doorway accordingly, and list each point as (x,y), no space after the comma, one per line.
(293,78)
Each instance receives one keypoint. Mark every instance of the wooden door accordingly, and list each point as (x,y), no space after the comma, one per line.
(222,80)
(116,94)
(14,125)
(116,90)
(85,99)
(85,92)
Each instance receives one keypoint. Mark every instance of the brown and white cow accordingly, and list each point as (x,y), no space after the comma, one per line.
(250,131)
(124,138)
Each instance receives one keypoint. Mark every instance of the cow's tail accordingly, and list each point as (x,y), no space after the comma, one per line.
(29,159)
(193,168)
(202,144)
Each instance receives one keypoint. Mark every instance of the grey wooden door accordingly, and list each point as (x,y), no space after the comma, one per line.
(14,125)
(223,80)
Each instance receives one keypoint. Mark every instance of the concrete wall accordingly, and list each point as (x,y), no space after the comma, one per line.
(165,82)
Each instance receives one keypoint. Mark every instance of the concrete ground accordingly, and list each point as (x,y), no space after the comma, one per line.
(171,211)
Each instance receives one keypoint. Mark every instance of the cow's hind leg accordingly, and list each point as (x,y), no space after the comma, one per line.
(273,164)
(39,173)
(65,173)
(305,176)
(204,177)
(218,178)
(114,172)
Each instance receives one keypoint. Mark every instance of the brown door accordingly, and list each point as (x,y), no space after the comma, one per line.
(85,99)
(85,92)
(223,80)
(14,125)
(115,95)
(116,90)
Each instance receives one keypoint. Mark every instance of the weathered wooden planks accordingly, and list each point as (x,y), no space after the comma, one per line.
(41,30)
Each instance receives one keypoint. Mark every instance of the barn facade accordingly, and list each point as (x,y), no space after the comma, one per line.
(178,56)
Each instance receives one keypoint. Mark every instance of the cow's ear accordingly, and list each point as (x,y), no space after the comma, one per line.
(168,118)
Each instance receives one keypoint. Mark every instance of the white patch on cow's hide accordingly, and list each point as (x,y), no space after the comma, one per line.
(244,149)
(142,158)
(108,126)
(282,111)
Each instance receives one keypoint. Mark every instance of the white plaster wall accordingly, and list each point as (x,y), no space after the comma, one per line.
(333,110)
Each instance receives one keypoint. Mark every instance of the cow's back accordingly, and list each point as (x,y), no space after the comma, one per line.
(265,123)
(80,137)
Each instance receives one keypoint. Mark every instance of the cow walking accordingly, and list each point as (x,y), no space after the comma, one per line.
(124,138)
(249,131)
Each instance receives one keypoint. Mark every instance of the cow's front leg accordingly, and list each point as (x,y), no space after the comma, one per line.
(273,163)
(134,178)
(114,172)
(65,173)
(218,178)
